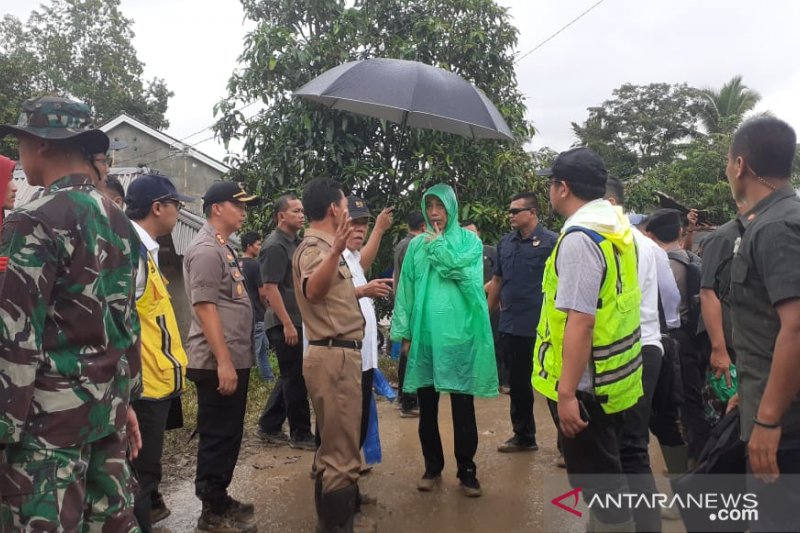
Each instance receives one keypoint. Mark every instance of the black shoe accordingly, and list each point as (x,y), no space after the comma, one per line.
(306,442)
(158,509)
(210,522)
(470,487)
(515,444)
(278,438)
(241,512)
(428,482)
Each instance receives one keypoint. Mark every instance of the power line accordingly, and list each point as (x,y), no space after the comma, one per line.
(567,25)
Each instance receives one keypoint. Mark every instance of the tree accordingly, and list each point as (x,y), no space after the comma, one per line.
(641,126)
(721,111)
(81,49)
(292,141)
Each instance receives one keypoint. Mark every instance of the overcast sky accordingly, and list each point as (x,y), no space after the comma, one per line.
(193,45)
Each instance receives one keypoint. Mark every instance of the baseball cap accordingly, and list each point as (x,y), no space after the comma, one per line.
(228,191)
(53,117)
(148,188)
(357,207)
(579,165)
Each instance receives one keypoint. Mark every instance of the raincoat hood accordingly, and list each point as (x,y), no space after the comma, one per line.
(447,195)
(606,219)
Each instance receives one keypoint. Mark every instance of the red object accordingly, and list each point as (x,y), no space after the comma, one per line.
(6,173)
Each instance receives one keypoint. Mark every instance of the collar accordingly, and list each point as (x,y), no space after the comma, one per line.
(210,230)
(354,255)
(70,180)
(766,203)
(537,232)
(288,236)
(149,243)
(321,235)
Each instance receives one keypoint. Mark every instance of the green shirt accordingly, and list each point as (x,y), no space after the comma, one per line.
(764,273)
(69,332)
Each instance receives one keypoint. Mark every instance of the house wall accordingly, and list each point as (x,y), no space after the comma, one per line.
(190,176)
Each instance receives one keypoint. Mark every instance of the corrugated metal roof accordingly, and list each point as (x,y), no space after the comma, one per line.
(183,233)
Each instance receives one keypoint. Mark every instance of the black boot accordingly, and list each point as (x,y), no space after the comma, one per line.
(337,510)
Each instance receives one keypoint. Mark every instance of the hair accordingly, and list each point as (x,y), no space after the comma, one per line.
(467,222)
(318,195)
(207,210)
(138,213)
(113,184)
(669,233)
(767,145)
(415,220)
(282,205)
(586,191)
(529,197)
(615,189)
(248,239)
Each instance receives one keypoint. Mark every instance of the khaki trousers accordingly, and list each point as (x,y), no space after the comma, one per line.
(333,380)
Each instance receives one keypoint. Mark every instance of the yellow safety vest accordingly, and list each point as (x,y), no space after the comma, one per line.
(163,358)
(616,362)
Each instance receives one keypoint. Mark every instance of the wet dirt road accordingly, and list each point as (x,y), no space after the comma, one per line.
(276,480)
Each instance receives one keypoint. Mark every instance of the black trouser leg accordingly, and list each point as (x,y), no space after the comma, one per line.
(778,501)
(367,377)
(692,412)
(465,434)
(429,436)
(634,439)
(152,417)
(520,351)
(220,425)
(292,386)
(407,401)
(595,450)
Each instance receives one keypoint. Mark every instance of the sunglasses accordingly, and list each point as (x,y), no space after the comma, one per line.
(514,211)
(167,200)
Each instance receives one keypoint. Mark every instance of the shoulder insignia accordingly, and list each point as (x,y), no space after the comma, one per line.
(536,242)
(221,240)
(239,289)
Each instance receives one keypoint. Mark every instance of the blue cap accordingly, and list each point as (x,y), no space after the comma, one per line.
(148,188)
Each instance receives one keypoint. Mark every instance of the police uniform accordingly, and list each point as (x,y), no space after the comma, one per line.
(211,275)
(332,368)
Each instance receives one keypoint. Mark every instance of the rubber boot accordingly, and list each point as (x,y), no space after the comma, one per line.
(676,458)
(338,509)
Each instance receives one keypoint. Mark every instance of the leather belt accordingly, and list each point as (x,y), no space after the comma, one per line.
(337,343)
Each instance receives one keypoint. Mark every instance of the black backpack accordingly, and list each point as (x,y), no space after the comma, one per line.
(694,273)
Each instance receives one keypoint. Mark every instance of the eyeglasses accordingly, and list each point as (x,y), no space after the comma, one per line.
(101,158)
(178,204)
(514,211)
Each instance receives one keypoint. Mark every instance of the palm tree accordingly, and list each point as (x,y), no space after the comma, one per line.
(722,111)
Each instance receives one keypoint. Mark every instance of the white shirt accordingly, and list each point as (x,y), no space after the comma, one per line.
(369,351)
(152,246)
(668,288)
(648,284)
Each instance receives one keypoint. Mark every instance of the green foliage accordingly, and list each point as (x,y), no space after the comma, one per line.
(722,110)
(293,141)
(81,49)
(641,127)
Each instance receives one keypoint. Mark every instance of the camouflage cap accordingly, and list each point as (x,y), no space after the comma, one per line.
(53,117)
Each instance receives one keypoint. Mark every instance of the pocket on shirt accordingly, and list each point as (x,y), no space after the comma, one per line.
(344,271)
(739,269)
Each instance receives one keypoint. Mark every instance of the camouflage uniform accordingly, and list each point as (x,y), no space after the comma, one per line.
(69,361)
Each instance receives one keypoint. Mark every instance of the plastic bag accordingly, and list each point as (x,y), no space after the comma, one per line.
(372,444)
(381,386)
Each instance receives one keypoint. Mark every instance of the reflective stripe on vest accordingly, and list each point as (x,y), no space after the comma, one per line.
(616,362)
(163,358)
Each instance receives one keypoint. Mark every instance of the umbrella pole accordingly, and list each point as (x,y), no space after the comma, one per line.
(400,147)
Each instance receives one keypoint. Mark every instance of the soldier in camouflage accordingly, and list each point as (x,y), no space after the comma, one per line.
(69,336)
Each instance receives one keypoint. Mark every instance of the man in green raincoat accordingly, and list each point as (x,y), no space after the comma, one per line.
(442,318)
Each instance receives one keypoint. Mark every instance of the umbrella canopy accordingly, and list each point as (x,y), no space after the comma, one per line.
(409,93)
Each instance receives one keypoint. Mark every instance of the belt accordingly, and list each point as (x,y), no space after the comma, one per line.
(337,343)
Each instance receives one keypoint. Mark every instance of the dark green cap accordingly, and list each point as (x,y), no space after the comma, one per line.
(53,117)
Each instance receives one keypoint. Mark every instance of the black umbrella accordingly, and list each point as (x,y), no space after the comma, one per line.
(409,93)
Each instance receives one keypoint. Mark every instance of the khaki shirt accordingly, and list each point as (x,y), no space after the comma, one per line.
(211,274)
(339,314)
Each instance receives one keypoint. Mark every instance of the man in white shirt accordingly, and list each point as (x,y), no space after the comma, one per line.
(635,437)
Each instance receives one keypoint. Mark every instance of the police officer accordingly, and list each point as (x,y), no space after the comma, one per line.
(587,357)
(765,299)
(334,325)
(516,287)
(220,348)
(69,335)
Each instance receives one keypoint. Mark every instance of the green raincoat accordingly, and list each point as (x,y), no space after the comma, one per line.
(441,307)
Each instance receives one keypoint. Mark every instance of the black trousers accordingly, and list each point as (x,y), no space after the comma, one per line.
(465,432)
(367,377)
(519,353)
(407,401)
(596,450)
(220,424)
(778,502)
(635,440)
(289,398)
(694,365)
(152,416)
